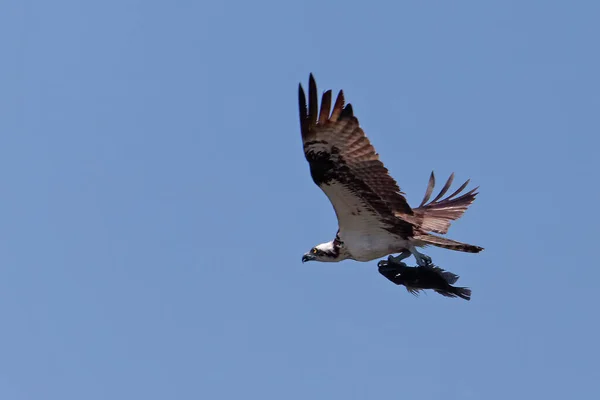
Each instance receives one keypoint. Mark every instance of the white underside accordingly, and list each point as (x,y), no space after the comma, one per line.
(367,247)
(361,230)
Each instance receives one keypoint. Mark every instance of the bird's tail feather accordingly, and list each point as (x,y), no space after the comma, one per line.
(437,215)
(429,239)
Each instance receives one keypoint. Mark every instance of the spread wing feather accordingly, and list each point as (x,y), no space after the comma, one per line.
(437,215)
(339,153)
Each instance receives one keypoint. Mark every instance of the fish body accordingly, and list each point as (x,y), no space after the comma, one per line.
(417,279)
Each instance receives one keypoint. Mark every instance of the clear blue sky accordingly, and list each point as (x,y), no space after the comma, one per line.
(156,202)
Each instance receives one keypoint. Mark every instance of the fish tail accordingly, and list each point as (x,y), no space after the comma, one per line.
(453,291)
(462,292)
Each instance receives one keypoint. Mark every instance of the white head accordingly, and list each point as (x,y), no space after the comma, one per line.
(332,251)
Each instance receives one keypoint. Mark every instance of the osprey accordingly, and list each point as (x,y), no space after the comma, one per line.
(374,218)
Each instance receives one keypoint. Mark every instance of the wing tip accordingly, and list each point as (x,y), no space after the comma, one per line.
(311,79)
(348,111)
(302,109)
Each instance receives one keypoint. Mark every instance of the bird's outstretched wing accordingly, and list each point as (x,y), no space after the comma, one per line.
(437,215)
(344,164)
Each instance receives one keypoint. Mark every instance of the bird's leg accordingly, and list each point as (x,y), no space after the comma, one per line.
(398,259)
(422,259)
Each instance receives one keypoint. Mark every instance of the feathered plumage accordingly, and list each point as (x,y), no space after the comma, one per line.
(373,215)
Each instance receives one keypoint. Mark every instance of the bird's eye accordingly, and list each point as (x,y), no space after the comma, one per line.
(315,251)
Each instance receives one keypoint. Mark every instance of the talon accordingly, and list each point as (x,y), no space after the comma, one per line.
(394,260)
(423,260)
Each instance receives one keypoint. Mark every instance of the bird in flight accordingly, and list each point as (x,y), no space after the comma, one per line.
(374,218)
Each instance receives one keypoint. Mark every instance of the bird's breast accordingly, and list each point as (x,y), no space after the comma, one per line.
(372,245)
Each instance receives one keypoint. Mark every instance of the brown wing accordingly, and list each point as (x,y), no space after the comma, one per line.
(339,153)
(437,215)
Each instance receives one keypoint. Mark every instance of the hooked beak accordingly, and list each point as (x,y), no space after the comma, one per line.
(307,257)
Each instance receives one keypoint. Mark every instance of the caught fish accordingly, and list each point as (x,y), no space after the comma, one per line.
(416,279)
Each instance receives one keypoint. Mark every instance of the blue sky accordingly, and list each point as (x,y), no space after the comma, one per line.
(156,202)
